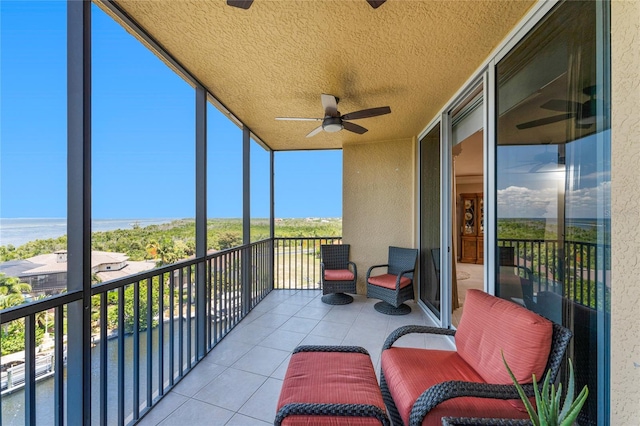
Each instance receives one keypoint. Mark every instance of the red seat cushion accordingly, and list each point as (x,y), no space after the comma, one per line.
(389,281)
(410,371)
(490,325)
(338,275)
(330,378)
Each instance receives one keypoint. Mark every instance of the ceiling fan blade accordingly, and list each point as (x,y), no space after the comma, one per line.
(297,119)
(366,113)
(330,105)
(376,4)
(544,121)
(241,4)
(352,127)
(561,105)
(315,131)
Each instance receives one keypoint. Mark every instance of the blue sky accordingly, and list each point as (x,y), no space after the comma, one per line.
(529,180)
(142,133)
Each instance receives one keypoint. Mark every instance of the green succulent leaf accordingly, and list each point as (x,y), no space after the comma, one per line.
(568,401)
(575,408)
(527,404)
(550,409)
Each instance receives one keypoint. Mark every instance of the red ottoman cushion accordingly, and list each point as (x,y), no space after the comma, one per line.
(389,281)
(330,378)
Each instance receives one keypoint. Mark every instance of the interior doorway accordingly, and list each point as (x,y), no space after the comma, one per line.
(467,210)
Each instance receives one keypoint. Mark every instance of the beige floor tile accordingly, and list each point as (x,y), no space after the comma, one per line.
(330,329)
(261,360)
(242,420)
(321,341)
(197,413)
(203,373)
(283,340)
(299,325)
(227,352)
(165,407)
(262,404)
(286,308)
(251,334)
(231,389)
(341,315)
(316,313)
(239,382)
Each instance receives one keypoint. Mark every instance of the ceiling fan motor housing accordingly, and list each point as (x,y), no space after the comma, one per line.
(332,124)
(587,113)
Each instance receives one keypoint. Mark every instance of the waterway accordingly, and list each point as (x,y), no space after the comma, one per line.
(13,404)
(18,231)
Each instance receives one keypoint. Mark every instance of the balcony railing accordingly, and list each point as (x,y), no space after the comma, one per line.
(297,261)
(147,331)
(150,329)
(577,270)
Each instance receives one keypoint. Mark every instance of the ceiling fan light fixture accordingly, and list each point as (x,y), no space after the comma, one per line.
(332,124)
(333,121)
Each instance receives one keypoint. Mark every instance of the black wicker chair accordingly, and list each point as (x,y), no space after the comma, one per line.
(402,263)
(441,392)
(516,281)
(336,276)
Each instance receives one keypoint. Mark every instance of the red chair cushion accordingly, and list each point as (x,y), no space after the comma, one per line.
(389,281)
(338,275)
(410,371)
(330,378)
(490,325)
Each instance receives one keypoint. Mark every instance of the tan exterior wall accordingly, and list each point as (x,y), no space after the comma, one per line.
(625,206)
(378,201)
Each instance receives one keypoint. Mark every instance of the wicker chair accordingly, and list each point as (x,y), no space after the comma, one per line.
(515,281)
(396,286)
(441,392)
(336,277)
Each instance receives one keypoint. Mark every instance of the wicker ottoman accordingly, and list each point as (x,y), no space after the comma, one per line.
(330,385)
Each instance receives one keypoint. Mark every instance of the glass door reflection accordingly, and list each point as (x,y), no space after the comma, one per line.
(552,188)
(429,288)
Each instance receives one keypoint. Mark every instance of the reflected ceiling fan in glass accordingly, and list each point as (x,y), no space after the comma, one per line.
(584,113)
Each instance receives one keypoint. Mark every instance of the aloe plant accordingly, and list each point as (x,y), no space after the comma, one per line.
(550,410)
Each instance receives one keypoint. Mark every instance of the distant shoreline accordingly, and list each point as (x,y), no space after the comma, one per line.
(19,231)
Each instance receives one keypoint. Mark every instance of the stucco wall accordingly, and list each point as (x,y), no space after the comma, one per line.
(378,201)
(625,205)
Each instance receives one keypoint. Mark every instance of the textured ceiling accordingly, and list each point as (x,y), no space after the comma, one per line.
(276,58)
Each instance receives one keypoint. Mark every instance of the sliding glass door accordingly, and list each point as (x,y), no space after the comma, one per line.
(552,185)
(429,288)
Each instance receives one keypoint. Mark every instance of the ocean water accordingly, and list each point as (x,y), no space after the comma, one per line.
(18,231)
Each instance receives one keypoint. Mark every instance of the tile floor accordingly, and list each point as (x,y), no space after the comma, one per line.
(239,381)
(474,278)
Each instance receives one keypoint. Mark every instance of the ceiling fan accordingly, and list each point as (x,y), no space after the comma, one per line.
(246,4)
(333,121)
(584,113)
(550,160)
